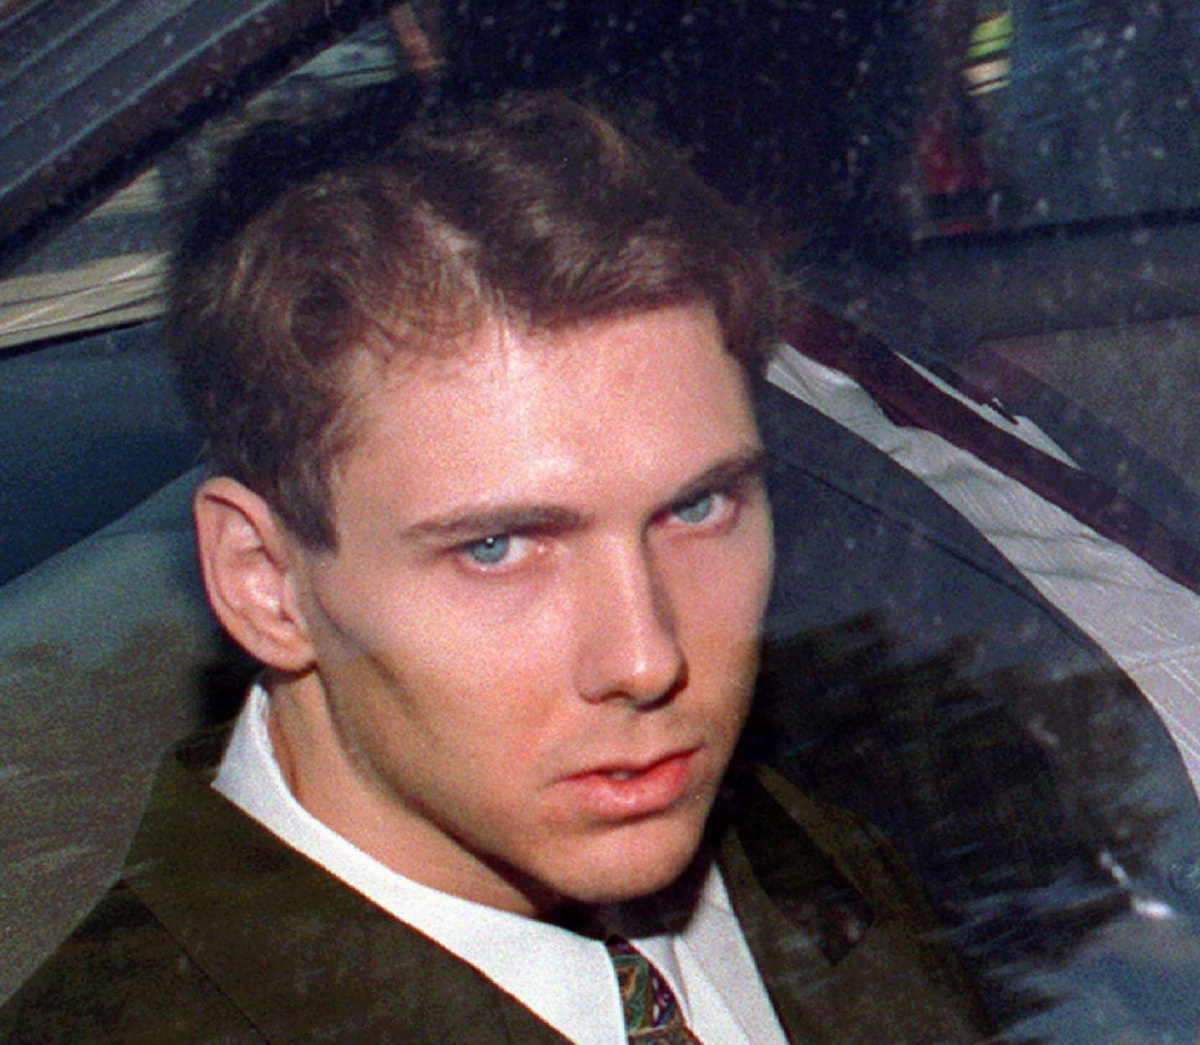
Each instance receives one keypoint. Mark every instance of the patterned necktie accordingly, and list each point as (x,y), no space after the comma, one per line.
(652,1015)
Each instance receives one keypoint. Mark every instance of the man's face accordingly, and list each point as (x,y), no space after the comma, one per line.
(536,641)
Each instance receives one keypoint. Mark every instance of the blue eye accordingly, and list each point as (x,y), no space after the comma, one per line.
(490,551)
(696,511)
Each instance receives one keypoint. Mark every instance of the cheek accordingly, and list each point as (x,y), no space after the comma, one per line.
(455,676)
(445,722)
(724,586)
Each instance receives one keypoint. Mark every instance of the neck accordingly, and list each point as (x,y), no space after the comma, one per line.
(330,784)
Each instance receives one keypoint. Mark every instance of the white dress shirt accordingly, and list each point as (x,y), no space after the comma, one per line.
(1148,624)
(547,968)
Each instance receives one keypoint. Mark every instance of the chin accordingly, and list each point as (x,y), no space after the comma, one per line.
(641,861)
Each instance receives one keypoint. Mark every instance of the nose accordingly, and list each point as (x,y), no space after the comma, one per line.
(628,645)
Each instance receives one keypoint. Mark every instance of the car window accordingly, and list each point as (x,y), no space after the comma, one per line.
(998,196)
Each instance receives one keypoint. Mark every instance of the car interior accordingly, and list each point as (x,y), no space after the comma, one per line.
(1014,185)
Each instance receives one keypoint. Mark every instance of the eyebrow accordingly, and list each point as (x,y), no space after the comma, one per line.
(474,523)
(482,522)
(724,475)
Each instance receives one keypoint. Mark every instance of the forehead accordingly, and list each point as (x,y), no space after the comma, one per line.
(636,402)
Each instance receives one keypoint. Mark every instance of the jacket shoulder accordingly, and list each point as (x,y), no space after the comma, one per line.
(121,977)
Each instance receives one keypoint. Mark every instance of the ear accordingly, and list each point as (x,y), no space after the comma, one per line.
(250,565)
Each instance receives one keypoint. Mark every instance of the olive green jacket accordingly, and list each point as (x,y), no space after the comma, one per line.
(217,932)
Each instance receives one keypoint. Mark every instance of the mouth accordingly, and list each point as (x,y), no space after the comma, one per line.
(624,791)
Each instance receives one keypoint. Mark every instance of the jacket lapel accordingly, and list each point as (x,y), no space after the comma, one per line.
(305,957)
(842,938)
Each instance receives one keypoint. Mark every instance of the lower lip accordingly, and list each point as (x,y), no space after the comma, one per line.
(653,790)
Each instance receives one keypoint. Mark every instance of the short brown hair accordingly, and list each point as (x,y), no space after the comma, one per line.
(533,209)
